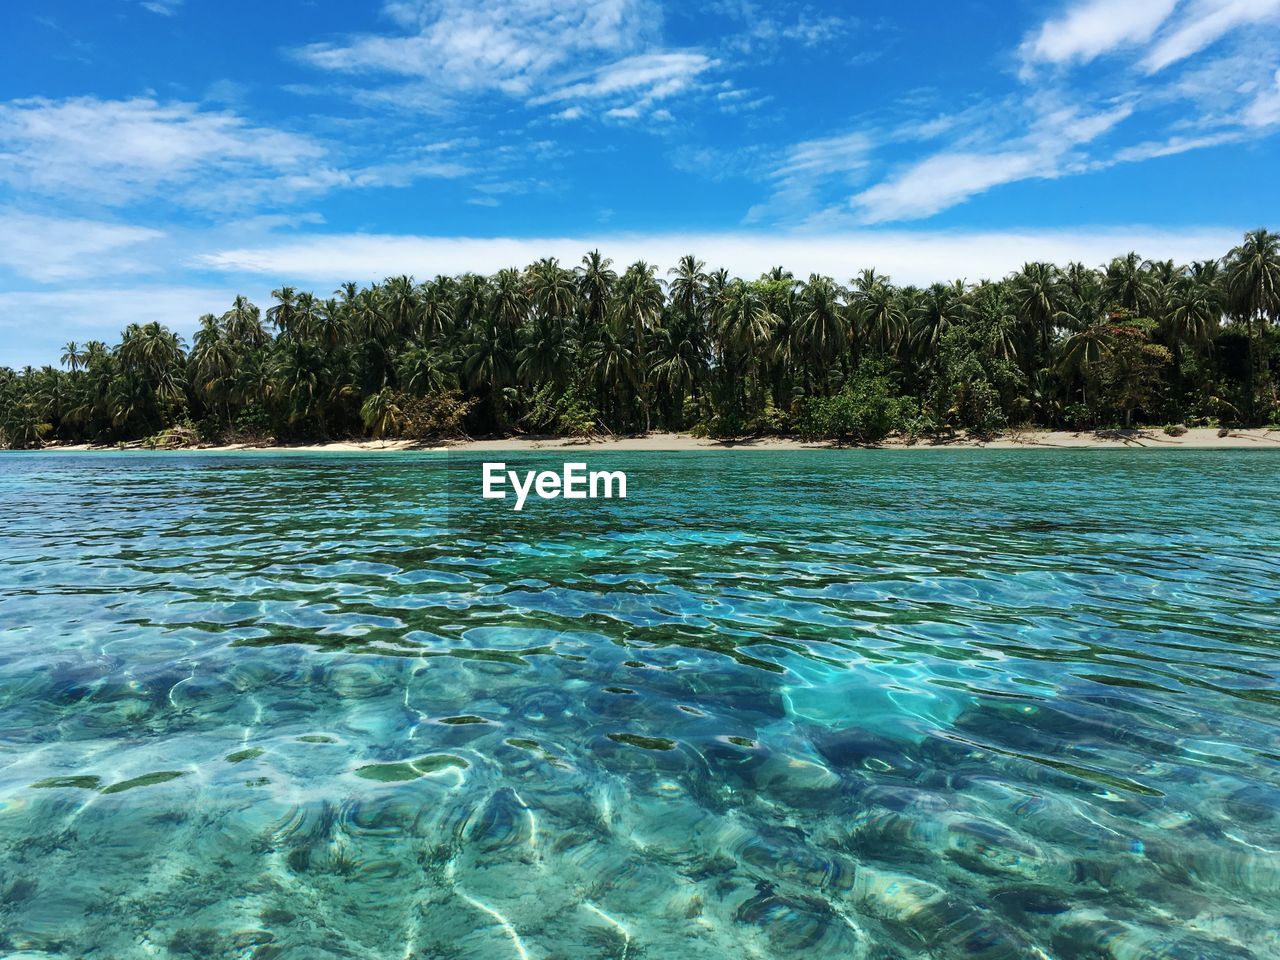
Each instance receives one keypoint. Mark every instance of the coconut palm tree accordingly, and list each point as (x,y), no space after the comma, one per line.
(72,357)
(244,325)
(637,306)
(822,327)
(1253,292)
(595,286)
(939,308)
(381,414)
(284,316)
(876,313)
(1192,312)
(1039,297)
(1128,284)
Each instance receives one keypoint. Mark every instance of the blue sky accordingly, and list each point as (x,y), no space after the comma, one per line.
(158,156)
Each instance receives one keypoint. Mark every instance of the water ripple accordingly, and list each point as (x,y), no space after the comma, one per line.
(859,705)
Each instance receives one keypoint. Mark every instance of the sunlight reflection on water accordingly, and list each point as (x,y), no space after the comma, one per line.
(849,704)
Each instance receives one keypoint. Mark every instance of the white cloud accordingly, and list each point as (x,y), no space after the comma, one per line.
(1204,22)
(49,249)
(1172,30)
(115,151)
(165,8)
(838,154)
(955,174)
(1152,149)
(764,27)
(1264,111)
(604,55)
(653,75)
(1091,28)
(918,257)
(465,45)
(805,168)
(118,152)
(943,180)
(816,31)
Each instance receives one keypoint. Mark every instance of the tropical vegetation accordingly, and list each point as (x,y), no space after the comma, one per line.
(599,348)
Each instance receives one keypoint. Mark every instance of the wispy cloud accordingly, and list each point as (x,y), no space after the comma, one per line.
(48,249)
(1169,30)
(1088,29)
(764,27)
(165,8)
(490,45)
(804,168)
(599,58)
(117,152)
(1264,111)
(642,80)
(952,176)
(1064,121)
(1202,23)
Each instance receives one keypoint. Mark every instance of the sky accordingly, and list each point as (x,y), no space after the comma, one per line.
(159,156)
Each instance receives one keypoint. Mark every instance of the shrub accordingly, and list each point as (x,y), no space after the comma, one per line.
(569,413)
(864,411)
(434,416)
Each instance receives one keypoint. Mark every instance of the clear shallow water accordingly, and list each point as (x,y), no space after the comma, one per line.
(941,704)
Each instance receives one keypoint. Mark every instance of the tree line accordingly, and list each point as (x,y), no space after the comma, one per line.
(596,349)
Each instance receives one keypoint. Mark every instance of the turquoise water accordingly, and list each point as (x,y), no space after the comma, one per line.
(942,704)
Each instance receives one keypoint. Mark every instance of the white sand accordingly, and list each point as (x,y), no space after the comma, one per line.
(1197,438)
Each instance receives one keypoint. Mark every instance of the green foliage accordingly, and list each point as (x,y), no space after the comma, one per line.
(568,413)
(1127,374)
(866,410)
(597,349)
(252,425)
(437,416)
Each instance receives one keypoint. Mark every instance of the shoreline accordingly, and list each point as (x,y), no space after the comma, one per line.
(1198,438)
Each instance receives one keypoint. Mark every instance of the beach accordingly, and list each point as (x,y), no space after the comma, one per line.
(1196,438)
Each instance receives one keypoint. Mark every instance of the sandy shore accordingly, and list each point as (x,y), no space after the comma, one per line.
(1201,438)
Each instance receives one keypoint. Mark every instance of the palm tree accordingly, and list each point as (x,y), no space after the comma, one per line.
(595,286)
(876,311)
(400,306)
(743,326)
(1128,284)
(689,286)
(1193,309)
(941,307)
(1038,296)
(284,315)
(72,357)
(212,363)
(1081,353)
(552,290)
(435,309)
(244,325)
(1253,290)
(822,329)
(381,414)
(637,305)
(711,349)
(493,314)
